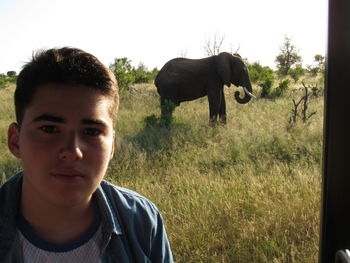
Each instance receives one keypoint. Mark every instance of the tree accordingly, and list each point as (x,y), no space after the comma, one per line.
(183,53)
(213,45)
(11,76)
(142,67)
(11,73)
(123,72)
(288,57)
(319,66)
(141,74)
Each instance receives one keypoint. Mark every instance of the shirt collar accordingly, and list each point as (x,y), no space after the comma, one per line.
(109,220)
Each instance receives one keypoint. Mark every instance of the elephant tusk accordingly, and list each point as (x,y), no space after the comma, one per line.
(250,94)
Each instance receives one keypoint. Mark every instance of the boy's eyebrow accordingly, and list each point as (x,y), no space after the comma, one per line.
(93,122)
(52,118)
(47,117)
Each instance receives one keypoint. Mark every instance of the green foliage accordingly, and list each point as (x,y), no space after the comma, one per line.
(11,73)
(296,72)
(288,57)
(3,81)
(281,89)
(123,72)
(127,75)
(143,75)
(263,76)
(318,66)
(266,87)
(154,73)
(11,76)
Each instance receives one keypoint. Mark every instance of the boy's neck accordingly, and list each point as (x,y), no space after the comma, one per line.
(55,224)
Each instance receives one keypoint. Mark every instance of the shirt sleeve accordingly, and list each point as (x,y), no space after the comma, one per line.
(160,250)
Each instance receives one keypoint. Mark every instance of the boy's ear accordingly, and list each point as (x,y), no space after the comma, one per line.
(13,139)
(113,144)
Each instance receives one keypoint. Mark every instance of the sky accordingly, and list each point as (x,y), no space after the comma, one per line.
(154,31)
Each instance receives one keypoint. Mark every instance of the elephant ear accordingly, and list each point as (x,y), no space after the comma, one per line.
(223,67)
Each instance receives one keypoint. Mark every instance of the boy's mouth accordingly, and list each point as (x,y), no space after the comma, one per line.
(67,173)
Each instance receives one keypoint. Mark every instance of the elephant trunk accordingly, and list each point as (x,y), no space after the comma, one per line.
(247,94)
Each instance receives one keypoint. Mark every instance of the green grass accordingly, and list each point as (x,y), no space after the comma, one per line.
(245,192)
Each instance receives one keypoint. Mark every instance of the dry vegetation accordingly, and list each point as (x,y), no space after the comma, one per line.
(245,192)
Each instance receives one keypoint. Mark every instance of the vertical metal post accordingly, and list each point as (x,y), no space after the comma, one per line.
(335,219)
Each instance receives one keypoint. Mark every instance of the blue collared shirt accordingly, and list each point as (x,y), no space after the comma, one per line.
(132,227)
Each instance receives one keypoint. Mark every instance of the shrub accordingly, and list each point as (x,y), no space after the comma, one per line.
(266,87)
(263,76)
(11,76)
(123,72)
(255,71)
(281,89)
(296,72)
(2,81)
(154,73)
(143,75)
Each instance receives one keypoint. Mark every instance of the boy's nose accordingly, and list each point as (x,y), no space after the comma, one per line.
(71,149)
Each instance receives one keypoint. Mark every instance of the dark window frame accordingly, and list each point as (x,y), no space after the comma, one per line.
(335,216)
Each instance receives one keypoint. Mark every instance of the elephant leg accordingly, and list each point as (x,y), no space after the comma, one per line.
(167,107)
(214,104)
(222,110)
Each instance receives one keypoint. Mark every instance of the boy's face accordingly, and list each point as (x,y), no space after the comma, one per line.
(65,142)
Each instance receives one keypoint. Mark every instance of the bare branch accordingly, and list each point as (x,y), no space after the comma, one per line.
(213,46)
(183,53)
(304,102)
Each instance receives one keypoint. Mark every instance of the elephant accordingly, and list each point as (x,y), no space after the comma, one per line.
(182,79)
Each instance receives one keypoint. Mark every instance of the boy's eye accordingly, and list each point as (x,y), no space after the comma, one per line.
(92,132)
(49,129)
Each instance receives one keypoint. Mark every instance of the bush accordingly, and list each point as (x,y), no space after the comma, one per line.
(281,89)
(296,72)
(126,75)
(154,73)
(11,76)
(263,76)
(142,75)
(3,81)
(255,71)
(123,72)
(319,66)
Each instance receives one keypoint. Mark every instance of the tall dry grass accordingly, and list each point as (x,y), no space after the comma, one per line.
(245,192)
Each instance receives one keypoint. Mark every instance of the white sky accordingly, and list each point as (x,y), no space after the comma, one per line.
(154,31)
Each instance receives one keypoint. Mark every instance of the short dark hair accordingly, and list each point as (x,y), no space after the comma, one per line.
(64,66)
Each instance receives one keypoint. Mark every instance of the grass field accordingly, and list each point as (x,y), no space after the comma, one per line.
(245,192)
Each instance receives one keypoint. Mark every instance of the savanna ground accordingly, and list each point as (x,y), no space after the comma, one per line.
(245,192)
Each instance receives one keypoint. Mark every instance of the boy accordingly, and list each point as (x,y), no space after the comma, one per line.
(59,209)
